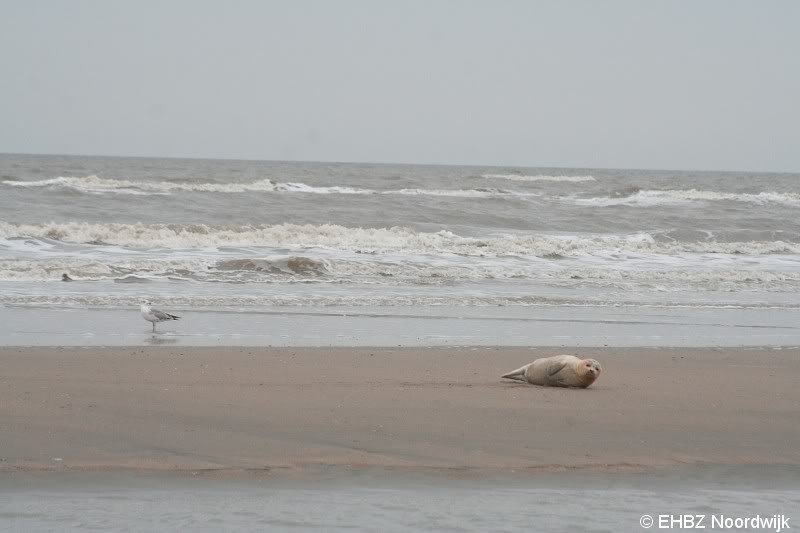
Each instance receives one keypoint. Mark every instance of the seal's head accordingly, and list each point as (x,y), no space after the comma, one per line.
(589,369)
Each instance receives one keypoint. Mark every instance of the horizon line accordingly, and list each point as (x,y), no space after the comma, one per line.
(394,163)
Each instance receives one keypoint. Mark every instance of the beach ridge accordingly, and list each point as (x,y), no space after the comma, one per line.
(219,411)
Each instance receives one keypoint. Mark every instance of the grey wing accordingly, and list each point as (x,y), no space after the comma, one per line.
(161,315)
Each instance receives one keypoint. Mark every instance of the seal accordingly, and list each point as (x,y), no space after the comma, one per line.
(558,371)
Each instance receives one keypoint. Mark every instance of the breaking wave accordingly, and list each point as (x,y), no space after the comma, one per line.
(521,177)
(97,185)
(400,240)
(420,271)
(267,302)
(647,198)
(463,193)
(275,265)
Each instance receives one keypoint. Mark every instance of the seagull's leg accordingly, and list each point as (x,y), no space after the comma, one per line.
(154,327)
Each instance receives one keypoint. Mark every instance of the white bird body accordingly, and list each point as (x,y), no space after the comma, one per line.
(155,315)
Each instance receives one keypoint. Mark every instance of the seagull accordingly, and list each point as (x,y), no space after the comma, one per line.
(154,315)
(65,277)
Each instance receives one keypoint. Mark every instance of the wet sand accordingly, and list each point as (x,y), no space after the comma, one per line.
(234,409)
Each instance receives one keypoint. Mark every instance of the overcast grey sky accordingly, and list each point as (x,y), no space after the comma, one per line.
(631,84)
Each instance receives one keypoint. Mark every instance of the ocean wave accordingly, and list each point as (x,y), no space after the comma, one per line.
(538,177)
(394,240)
(308,189)
(266,303)
(97,185)
(120,269)
(274,265)
(647,198)
(672,278)
(463,193)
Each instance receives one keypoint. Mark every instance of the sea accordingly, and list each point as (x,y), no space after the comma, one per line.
(311,253)
(271,253)
(714,497)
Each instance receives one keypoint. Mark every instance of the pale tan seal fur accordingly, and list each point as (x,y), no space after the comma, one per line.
(558,371)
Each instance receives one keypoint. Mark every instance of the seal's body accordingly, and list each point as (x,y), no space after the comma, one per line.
(558,371)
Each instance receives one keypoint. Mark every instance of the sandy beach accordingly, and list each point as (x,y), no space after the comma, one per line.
(234,409)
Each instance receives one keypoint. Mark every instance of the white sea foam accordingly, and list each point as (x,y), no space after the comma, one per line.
(269,300)
(97,185)
(94,184)
(665,274)
(374,240)
(333,265)
(463,193)
(538,177)
(303,188)
(275,265)
(647,198)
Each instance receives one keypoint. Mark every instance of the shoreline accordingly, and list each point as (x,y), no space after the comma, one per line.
(439,326)
(708,476)
(244,412)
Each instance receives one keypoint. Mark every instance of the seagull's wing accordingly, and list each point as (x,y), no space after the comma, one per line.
(161,315)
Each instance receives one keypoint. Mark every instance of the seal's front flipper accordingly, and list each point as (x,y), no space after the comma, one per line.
(555,368)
